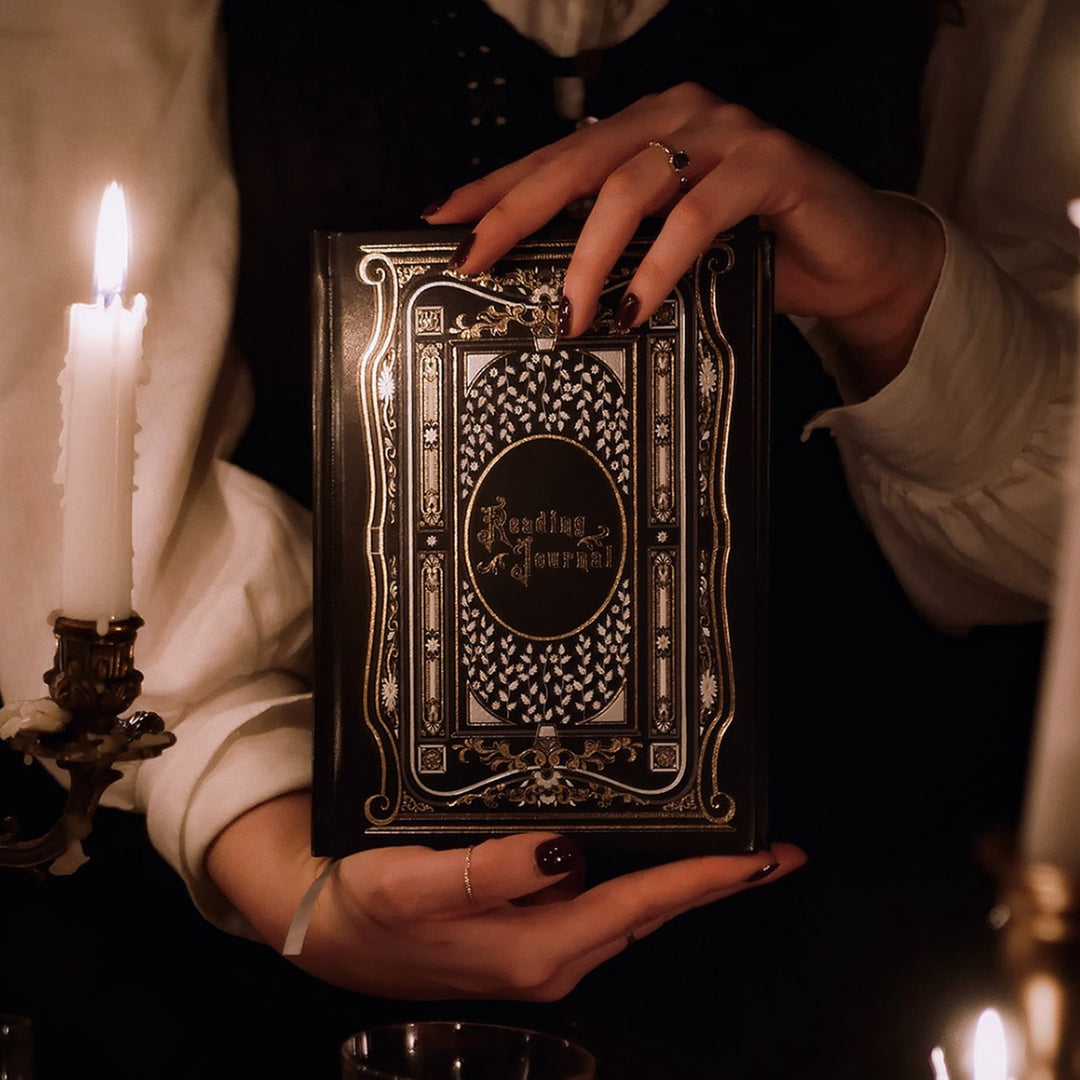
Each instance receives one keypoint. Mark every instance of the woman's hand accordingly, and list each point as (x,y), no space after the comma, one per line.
(865,262)
(399,922)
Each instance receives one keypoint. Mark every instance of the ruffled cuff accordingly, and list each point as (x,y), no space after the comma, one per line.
(986,363)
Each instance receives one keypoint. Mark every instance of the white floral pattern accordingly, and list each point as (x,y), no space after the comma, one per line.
(564,392)
(561,682)
(519,680)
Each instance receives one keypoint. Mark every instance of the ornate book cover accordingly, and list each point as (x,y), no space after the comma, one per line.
(540,564)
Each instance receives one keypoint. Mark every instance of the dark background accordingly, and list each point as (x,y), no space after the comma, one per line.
(894,748)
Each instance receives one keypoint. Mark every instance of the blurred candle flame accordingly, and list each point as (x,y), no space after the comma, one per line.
(937,1059)
(111,249)
(991,1052)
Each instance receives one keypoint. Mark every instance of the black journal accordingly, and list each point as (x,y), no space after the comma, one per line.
(540,563)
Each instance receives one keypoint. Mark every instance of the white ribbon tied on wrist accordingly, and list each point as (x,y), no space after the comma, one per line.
(301,920)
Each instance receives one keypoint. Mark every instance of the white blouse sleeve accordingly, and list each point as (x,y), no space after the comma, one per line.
(133,90)
(957,464)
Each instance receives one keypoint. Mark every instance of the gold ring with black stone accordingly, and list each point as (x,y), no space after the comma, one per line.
(677,159)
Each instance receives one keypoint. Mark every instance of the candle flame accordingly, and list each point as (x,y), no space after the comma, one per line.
(990,1049)
(937,1059)
(111,251)
(1073,209)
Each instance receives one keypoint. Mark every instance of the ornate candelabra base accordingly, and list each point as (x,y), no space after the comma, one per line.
(92,681)
(1041,952)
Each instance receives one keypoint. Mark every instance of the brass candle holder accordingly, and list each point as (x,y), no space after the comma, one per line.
(1040,949)
(93,680)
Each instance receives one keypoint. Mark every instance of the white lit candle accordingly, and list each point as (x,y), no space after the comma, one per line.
(991,1052)
(1051,826)
(937,1060)
(986,1057)
(97,459)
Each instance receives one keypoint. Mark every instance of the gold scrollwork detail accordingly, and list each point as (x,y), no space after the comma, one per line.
(428,320)
(539,285)
(709,376)
(407,271)
(380,809)
(414,806)
(430,449)
(554,776)
(532,302)
(688,803)
(495,320)
(722,259)
(385,391)
(432,573)
(664,644)
(723,807)
(716,378)
(666,315)
(710,679)
(665,435)
(388,681)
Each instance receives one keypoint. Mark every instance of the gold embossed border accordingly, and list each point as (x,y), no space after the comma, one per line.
(408,664)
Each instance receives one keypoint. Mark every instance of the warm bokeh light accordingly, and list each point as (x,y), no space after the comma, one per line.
(991,1052)
(111,250)
(1044,1006)
(937,1060)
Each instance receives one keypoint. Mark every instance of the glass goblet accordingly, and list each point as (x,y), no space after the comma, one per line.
(450,1050)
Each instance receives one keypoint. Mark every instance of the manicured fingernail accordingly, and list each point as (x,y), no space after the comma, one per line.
(432,208)
(565,314)
(763,872)
(627,313)
(558,856)
(462,252)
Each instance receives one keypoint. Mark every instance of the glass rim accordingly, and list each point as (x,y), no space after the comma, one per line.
(585,1056)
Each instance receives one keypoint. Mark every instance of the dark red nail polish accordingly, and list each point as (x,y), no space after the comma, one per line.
(462,252)
(432,208)
(558,856)
(565,315)
(763,872)
(627,313)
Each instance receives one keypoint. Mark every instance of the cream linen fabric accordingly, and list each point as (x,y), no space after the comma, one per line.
(568,27)
(133,90)
(957,464)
